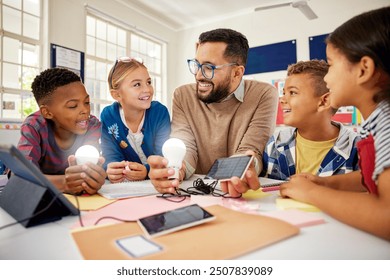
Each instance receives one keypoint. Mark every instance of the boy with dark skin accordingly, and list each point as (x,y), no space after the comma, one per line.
(51,136)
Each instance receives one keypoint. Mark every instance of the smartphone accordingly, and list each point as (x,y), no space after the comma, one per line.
(138,246)
(174,220)
(225,168)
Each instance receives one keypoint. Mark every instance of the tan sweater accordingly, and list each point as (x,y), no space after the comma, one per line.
(215,130)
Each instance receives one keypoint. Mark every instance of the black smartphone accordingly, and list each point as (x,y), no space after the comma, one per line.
(174,220)
(225,168)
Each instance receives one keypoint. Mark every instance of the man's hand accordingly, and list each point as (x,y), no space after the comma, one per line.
(235,187)
(159,173)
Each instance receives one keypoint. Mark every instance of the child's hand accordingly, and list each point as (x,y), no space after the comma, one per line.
(115,171)
(72,160)
(73,181)
(135,171)
(94,176)
(314,178)
(88,177)
(298,188)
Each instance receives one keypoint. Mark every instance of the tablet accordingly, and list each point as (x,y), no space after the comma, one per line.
(174,220)
(225,168)
(29,196)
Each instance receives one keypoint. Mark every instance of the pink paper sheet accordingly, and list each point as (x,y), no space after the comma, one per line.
(131,209)
(296,217)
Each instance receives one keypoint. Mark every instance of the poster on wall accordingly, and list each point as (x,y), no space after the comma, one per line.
(67,58)
(317,47)
(270,58)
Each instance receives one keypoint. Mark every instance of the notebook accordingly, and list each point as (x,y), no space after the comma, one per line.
(145,187)
(268,184)
(127,189)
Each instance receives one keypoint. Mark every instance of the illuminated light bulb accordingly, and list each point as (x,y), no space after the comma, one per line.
(87,153)
(174,151)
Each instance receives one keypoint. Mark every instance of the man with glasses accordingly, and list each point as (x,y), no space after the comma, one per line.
(220,115)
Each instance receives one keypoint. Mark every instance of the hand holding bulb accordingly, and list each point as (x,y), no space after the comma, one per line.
(174,151)
(82,178)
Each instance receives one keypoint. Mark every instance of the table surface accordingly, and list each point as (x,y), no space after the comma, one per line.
(331,240)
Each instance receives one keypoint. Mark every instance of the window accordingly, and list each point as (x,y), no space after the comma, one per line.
(20,59)
(106,42)
(151,54)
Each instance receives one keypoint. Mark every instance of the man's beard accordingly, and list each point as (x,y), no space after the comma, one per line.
(217,94)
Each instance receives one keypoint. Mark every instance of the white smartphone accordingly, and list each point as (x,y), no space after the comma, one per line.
(174,220)
(138,246)
(225,168)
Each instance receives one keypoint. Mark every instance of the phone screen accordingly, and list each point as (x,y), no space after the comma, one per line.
(174,220)
(226,168)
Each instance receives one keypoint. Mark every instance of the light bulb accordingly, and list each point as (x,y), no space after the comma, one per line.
(174,151)
(87,153)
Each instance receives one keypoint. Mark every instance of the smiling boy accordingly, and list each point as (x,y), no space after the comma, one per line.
(51,136)
(313,143)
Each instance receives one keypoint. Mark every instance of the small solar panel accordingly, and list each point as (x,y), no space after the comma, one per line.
(225,168)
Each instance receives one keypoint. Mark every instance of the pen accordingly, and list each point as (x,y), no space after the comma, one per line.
(270,189)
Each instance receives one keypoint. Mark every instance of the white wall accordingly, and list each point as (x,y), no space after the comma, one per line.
(9,136)
(277,25)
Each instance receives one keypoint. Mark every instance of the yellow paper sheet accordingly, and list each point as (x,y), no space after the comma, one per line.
(89,202)
(251,194)
(288,203)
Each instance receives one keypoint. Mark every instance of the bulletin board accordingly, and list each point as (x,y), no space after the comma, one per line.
(67,58)
(270,58)
(317,47)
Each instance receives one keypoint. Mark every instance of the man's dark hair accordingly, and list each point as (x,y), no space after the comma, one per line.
(49,80)
(237,44)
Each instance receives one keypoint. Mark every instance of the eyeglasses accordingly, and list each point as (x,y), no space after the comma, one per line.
(206,68)
(124,59)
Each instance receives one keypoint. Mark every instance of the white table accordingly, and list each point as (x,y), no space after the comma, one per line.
(329,241)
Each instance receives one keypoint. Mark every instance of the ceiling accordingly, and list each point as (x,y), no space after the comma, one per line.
(183,14)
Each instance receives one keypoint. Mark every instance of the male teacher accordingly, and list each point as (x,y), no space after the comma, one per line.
(220,115)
